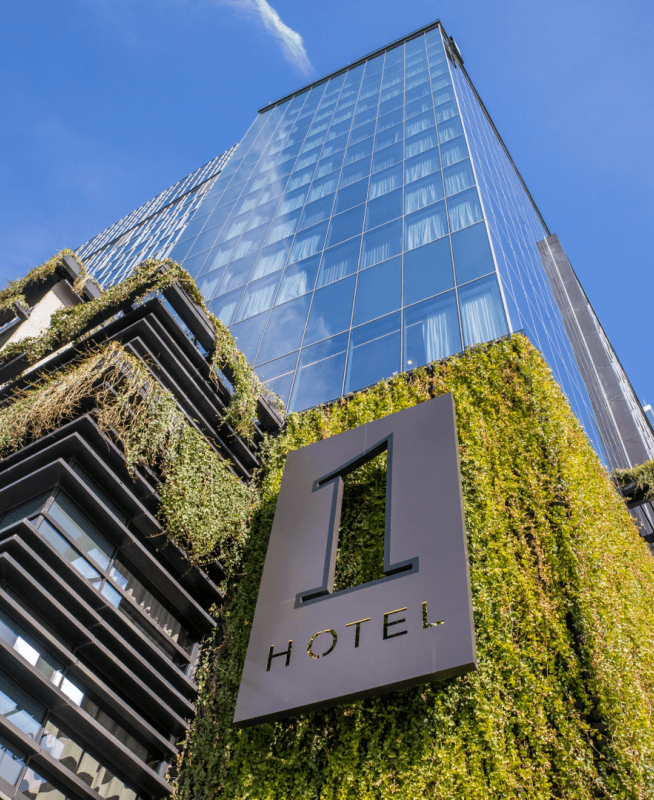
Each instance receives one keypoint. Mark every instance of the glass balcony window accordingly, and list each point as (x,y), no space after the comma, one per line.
(472,253)
(351,196)
(450,129)
(458,177)
(431,331)
(292,200)
(346,225)
(482,311)
(363,131)
(419,123)
(387,158)
(327,165)
(425,226)
(308,242)
(418,106)
(379,291)
(284,226)
(322,187)
(247,334)
(422,141)
(386,181)
(362,118)
(298,280)
(390,120)
(316,212)
(427,271)
(454,150)
(339,262)
(390,105)
(331,310)
(225,307)
(423,192)
(355,172)
(384,209)
(356,151)
(272,258)
(382,243)
(389,137)
(285,327)
(335,145)
(464,209)
(320,373)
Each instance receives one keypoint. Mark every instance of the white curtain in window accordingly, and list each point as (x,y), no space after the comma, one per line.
(384,182)
(422,194)
(385,159)
(337,267)
(422,166)
(258,297)
(380,246)
(292,201)
(220,255)
(283,227)
(458,178)
(322,188)
(439,332)
(454,151)
(271,259)
(425,141)
(425,226)
(482,314)
(293,286)
(464,210)
(419,124)
(306,244)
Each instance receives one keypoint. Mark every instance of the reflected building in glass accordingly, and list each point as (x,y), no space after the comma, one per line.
(373,222)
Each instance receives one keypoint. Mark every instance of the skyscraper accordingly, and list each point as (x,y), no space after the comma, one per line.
(374,221)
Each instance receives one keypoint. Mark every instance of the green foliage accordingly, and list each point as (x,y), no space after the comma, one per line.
(562,703)
(74,324)
(204,507)
(14,292)
(643,474)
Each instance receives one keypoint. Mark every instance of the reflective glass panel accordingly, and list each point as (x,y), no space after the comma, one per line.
(285,329)
(331,310)
(374,352)
(431,331)
(379,291)
(320,373)
(427,271)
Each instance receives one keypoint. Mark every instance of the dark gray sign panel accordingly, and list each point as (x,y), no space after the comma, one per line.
(310,646)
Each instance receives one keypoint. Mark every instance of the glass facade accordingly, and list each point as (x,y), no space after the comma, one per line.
(368,224)
(345,240)
(152,230)
(515,226)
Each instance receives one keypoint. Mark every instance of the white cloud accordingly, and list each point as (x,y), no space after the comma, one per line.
(290,40)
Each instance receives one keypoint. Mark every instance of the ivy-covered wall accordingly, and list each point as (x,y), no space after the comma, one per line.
(563,589)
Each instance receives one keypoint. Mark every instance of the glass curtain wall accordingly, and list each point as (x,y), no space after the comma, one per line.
(151,230)
(515,226)
(345,240)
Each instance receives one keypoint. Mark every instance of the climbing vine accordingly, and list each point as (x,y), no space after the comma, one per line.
(204,507)
(76,323)
(14,292)
(642,476)
(562,704)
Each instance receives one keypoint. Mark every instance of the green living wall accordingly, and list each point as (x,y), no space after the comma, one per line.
(562,586)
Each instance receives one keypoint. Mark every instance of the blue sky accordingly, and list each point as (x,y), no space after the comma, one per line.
(108,102)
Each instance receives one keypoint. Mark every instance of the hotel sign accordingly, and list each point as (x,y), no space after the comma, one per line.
(311,646)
